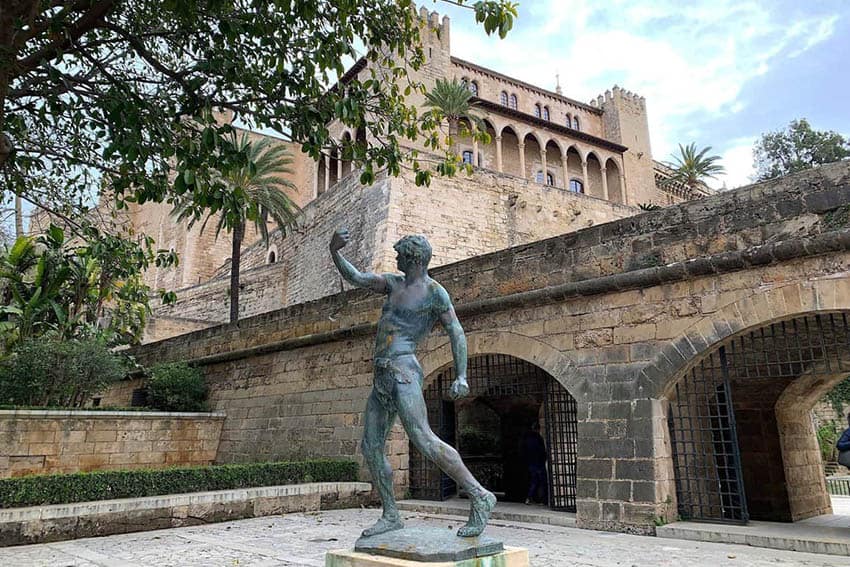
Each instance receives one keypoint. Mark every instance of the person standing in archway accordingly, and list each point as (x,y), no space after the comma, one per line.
(843,446)
(534,454)
(414,304)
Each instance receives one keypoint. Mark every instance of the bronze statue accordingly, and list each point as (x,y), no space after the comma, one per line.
(414,304)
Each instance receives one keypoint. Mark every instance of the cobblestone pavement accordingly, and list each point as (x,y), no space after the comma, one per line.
(303,539)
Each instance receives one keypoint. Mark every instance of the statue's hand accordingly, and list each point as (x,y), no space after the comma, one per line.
(339,239)
(460,388)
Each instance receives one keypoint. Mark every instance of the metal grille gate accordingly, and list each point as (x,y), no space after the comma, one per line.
(495,376)
(709,485)
(706,454)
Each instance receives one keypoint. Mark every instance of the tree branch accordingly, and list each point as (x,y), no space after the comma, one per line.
(87,22)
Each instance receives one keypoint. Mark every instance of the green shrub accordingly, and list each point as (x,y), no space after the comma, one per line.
(105,485)
(177,387)
(84,408)
(827,437)
(52,372)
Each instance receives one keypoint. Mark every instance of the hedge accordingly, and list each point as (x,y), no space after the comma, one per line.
(80,408)
(104,485)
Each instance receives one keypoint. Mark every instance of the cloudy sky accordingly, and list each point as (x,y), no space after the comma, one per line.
(715,72)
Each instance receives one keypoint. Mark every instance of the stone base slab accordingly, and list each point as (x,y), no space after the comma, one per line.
(510,557)
(429,545)
(58,522)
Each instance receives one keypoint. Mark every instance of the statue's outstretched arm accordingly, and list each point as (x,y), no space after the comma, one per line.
(375,282)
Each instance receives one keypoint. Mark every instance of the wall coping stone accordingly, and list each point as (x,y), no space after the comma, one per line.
(76,509)
(44,414)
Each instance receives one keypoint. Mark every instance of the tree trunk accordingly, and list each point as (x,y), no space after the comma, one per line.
(235,258)
(453,134)
(19,217)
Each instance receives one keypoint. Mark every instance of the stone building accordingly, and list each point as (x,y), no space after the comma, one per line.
(672,359)
(553,165)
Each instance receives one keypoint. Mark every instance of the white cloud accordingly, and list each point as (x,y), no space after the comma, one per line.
(738,161)
(687,59)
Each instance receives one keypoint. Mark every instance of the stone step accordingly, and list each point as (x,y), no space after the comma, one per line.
(774,535)
(511,511)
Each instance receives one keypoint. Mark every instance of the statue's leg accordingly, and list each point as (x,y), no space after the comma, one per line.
(414,417)
(377,422)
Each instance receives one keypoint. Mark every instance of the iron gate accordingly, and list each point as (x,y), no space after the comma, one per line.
(497,376)
(562,441)
(706,451)
(707,464)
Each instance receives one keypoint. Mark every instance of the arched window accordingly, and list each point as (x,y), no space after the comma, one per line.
(537,110)
(569,122)
(550,179)
(473,88)
(545,113)
(271,256)
(576,124)
(503,98)
(576,186)
(467,156)
(513,102)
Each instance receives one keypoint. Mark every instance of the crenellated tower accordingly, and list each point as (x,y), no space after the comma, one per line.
(624,121)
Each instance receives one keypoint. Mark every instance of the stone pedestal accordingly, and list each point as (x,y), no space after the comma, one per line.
(430,545)
(427,547)
(510,557)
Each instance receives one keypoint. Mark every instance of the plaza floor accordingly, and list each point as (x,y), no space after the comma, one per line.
(303,539)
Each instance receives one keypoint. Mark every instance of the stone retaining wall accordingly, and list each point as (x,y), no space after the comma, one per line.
(65,441)
(40,524)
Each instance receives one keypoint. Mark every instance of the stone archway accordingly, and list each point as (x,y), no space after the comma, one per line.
(743,444)
(493,430)
(743,441)
(513,383)
(538,353)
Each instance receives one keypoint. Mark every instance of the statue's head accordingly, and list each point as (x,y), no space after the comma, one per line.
(413,250)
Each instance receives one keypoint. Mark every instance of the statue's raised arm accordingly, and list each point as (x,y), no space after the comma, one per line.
(375,282)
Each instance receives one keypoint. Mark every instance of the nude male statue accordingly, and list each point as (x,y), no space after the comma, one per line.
(414,304)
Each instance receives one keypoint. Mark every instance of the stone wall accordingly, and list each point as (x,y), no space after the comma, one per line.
(462,216)
(616,313)
(64,441)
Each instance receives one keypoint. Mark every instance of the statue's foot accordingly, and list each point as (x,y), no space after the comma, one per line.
(383,525)
(479,513)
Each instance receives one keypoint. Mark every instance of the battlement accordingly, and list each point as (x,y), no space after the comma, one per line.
(440,27)
(618,94)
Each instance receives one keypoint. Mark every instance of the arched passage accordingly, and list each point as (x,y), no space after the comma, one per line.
(554,164)
(594,176)
(510,152)
(742,438)
(615,189)
(576,181)
(532,160)
(491,429)
(487,152)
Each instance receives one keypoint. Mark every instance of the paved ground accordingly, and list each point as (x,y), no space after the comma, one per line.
(302,540)
(840,517)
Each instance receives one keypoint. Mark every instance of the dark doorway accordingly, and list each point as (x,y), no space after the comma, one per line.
(507,395)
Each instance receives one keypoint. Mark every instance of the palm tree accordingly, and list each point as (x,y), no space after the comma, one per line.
(692,168)
(255,194)
(450,100)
